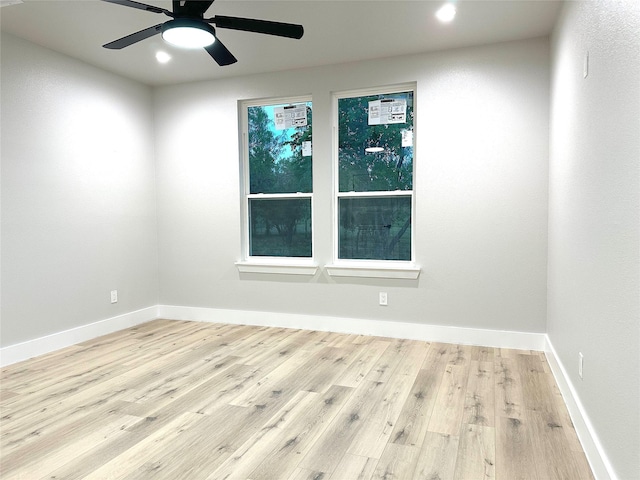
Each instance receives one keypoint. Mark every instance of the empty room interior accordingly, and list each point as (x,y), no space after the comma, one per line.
(363,242)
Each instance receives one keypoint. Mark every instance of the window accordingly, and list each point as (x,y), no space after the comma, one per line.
(375,175)
(278,183)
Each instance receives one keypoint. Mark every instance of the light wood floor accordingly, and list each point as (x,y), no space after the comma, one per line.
(187,400)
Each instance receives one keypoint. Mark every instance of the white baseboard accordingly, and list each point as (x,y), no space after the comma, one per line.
(381,328)
(598,460)
(39,346)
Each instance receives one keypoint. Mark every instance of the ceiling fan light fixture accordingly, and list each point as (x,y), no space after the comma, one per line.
(188,33)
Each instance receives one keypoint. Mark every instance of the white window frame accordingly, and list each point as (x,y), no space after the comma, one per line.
(398,269)
(268,264)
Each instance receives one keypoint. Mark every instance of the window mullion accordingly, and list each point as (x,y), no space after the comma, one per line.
(390,193)
(279,195)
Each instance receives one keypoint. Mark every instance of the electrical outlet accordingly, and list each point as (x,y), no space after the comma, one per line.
(585,66)
(383,298)
(580,364)
(114,296)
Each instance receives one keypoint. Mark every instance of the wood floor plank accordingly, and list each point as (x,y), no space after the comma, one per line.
(139,459)
(78,438)
(210,393)
(268,383)
(304,474)
(553,457)
(322,369)
(186,372)
(437,458)
(258,446)
(260,339)
(447,414)
(386,364)
(536,391)
(46,365)
(173,447)
(326,453)
(514,451)
(92,373)
(284,343)
(561,410)
(98,397)
(354,467)
(544,361)
(47,417)
(300,435)
(437,354)
(363,339)
(379,422)
(460,354)
(6,395)
(188,456)
(509,401)
(411,426)
(482,354)
(397,461)
(361,365)
(42,373)
(479,406)
(476,453)
(68,384)
(583,467)
(530,362)
(188,400)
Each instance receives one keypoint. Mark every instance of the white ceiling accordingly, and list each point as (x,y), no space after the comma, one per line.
(335,32)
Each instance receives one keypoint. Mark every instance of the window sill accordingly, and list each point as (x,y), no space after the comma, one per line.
(275,267)
(374,270)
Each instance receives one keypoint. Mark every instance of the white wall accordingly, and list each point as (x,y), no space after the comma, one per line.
(78,193)
(481,188)
(594,221)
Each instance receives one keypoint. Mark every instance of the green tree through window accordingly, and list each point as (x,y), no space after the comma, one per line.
(280,181)
(375,177)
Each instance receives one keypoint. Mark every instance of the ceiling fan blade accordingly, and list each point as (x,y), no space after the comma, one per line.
(134,37)
(279,29)
(220,53)
(140,6)
(194,8)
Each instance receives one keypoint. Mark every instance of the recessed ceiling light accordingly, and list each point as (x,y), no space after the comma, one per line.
(446,13)
(162,57)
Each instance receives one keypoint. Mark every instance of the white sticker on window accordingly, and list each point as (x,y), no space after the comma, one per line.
(306,149)
(388,110)
(290,116)
(407,138)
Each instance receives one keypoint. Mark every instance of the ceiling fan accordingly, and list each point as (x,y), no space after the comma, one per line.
(188,28)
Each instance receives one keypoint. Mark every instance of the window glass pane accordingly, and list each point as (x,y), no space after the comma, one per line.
(375,228)
(280,152)
(375,142)
(280,228)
